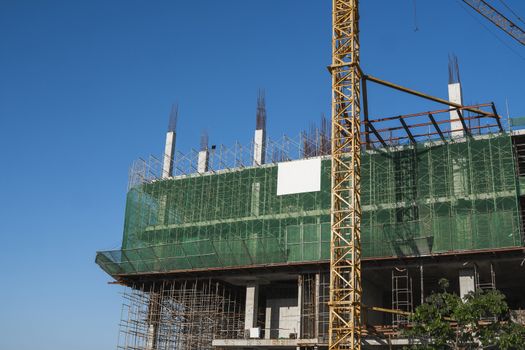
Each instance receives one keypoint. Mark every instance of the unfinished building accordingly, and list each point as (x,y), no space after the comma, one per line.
(229,247)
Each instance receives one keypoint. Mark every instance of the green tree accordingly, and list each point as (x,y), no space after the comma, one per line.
(481,320)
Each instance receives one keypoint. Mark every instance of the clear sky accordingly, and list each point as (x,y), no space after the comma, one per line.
(86,87)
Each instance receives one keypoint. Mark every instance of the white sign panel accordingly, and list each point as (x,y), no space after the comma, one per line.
(299,176)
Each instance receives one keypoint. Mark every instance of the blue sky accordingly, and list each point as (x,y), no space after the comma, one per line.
(86,87)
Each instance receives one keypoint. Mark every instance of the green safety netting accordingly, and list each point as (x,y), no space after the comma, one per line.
(417,200)
(517,121)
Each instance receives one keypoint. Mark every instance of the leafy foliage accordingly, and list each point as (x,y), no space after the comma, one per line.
(481,320)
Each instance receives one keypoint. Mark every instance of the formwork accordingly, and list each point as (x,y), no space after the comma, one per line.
(418,199)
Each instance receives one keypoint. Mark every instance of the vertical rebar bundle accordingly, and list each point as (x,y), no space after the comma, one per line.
(204,141)
(174,116)
(316,141)
(260,119)
(453,70)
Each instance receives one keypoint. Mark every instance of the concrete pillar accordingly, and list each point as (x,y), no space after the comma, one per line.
(455,95)
(150,343)
(167,163)
(202,165)
(259,147)
(300,310)
(259,139)
(169,148)
(466,282)
(154,309)
(317,301)
(252,301)
(256,197)
(459,168)
(169,152)
(259,152)
(167,172)
(422,285)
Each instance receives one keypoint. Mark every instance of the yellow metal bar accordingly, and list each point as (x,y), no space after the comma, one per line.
(389,311)
(423,95)
(345,324)
(399,312)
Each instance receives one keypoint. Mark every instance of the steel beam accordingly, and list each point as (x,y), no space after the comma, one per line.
(431,117)
(407,129)
(496,116)
(365,112)
(378,136)
(423,95)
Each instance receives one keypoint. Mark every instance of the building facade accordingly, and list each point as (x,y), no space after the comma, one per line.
(230,247)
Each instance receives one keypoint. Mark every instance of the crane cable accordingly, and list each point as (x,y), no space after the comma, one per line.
(416,27)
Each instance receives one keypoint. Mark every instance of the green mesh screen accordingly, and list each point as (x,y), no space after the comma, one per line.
(416,201)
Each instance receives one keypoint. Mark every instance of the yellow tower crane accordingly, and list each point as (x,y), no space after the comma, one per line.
(345,246)
(345,322)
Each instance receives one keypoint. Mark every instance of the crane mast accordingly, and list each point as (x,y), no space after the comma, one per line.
(345,321)
(345,246)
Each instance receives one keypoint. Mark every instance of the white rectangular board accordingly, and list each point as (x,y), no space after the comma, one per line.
(299,176)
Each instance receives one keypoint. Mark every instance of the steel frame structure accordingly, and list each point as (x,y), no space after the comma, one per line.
(345,244)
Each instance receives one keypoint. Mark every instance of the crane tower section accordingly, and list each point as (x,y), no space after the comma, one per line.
(345,246)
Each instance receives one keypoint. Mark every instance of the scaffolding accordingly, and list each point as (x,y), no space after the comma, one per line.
(312,143)
(427,197)
(183,315)
(484,283)
(402,296)
(314,310)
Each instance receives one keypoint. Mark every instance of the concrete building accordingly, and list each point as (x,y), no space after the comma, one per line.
(235,255)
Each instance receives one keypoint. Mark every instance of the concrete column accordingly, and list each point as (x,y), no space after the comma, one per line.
(256,195)
(167,171)
(202,165)
(259,139)
(317,301)
(167,163)
(154,309)
(169,148)
(299,305)
(259,151)
(455,95)
(466,282)
(421,282)
(268,320)
(459,165)
(259,147)
(252,300)
(150,343)
(169,152)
